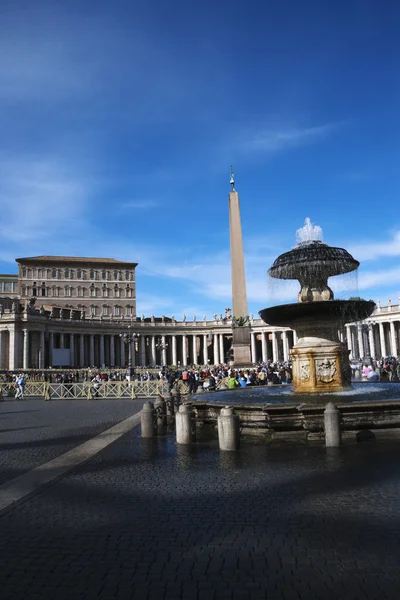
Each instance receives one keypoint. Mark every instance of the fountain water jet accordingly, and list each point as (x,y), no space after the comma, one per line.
(320,360)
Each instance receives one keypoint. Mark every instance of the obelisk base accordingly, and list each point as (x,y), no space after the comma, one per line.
(241,347)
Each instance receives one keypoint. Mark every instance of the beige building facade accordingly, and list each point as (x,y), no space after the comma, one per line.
(101,287)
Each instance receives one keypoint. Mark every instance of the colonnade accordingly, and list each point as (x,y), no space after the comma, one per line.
(373,339)
(40,349)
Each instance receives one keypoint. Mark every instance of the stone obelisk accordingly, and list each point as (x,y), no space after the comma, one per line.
(241,331)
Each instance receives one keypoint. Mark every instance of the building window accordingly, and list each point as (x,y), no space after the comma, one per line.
(105,310)
(79,274)
(117,310)
(92,291)
(43,291)
(24,290)
(54,273)
(128,311)
(8,286)
(24,272)
(127,275)
(117,291)
(34,289)
(128,292)
(55,291)
(39,274)
(80,291)
(93,310)
(104,275)
(68,290)
(105,291)
(29,273)
(67,274)
(92,274)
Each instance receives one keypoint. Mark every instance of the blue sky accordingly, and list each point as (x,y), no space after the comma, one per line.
(119,122)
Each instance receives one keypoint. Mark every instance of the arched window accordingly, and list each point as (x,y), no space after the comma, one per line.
(117,291)
(128,291)
(34,289)
(43,290)
(92,290)
(105,291)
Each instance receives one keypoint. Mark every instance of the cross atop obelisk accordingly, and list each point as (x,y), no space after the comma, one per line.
(241,334)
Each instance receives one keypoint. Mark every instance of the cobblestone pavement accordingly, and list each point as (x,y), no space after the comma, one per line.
(153,521)
(34,431)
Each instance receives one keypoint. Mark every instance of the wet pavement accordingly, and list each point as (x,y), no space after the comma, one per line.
(156,521)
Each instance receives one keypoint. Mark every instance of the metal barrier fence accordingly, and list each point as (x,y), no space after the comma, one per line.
(89,389)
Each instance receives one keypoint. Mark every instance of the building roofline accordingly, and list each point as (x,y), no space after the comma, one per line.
(76,259)
(9,275)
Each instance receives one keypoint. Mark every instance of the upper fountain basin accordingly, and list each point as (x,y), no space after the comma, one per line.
(313,260)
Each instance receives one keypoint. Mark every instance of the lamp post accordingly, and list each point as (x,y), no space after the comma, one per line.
(129,338)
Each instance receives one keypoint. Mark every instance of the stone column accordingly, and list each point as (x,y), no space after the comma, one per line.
(294,338)
(112,351)
(285,346)
(194,346)
(153,351)
(360,341)
(275,353)
(143,350)
(205,349)
(393,345)
(13,348)
(253,348)
(382,339)
(61,340)
(221,348)
(72,349)
(122,351)
(81,350)
(133,352)
(174,354)
(264,346)
(348,338)
(101,353)
(51,347)
(42,348)
(26,349)
(184,350)
(371,340)
(216,352)
(164,351)
(91,350)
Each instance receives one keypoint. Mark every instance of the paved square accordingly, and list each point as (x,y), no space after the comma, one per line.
(153,521)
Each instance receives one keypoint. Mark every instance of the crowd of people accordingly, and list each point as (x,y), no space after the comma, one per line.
(267,373)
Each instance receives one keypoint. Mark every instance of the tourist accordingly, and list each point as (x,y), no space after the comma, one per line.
(20,381)
(233,383)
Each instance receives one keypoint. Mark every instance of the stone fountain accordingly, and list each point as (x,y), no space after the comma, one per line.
(320,361)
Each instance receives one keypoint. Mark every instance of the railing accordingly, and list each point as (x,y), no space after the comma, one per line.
(89,389)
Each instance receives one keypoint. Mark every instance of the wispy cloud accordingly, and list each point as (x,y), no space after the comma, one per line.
(271,139)
(139,205)
(374,250)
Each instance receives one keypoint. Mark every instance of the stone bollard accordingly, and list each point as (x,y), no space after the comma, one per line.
(185,425)
(228,429)
(333,434)
(169,405)
(176,397)
(161,415)
(148,421)
(200,389)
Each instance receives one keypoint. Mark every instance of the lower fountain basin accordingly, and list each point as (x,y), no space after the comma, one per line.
(283,394)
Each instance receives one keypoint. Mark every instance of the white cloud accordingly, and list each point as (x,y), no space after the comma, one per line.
(272,139)
(39,199)
(372,251)
(139,205)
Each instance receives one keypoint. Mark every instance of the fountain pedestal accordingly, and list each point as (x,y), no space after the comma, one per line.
(320,365)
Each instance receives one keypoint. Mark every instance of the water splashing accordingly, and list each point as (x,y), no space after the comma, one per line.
(308,233)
